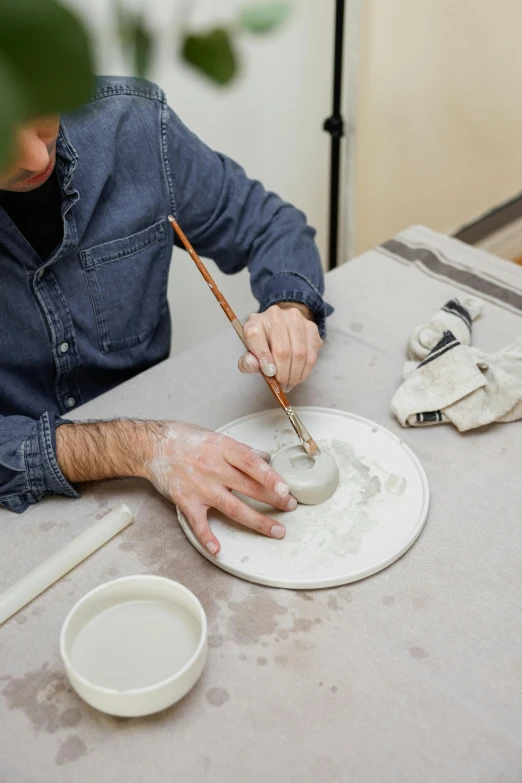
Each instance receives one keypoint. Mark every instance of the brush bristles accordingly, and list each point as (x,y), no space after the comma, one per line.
(312,449)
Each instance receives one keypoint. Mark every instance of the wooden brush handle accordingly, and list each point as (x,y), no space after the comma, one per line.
(273,385)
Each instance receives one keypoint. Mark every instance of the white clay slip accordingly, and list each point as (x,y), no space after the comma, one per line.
(311,480)
(374,515)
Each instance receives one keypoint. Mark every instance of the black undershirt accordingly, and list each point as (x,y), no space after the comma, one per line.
(37,214)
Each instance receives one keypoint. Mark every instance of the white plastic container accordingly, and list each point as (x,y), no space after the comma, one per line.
(135,646)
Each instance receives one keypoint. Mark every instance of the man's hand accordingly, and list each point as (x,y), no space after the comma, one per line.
(283,341)
(194,468)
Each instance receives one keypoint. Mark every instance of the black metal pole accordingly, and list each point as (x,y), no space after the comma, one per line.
(334,125)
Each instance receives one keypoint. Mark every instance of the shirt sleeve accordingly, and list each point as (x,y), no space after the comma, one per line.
(236,222)
(28,467)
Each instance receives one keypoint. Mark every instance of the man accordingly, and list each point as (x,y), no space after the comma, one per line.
(85,249)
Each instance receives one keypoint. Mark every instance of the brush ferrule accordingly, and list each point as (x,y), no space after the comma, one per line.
(297,424)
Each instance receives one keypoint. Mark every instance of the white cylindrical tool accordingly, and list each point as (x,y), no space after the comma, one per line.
(63,561)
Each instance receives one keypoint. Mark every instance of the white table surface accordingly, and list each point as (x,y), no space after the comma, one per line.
(414,674)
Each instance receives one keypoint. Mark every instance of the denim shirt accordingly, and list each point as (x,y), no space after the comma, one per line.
(96,312)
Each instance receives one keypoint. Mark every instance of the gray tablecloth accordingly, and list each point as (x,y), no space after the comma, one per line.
(414,674)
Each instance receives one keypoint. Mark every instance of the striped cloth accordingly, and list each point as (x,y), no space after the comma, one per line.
(455,382)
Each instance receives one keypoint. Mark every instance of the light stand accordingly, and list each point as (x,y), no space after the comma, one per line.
(334,125)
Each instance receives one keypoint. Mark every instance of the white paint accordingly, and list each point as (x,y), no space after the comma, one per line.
(396,485)
(270,121)
(176,452)
(374,516)
(336,527)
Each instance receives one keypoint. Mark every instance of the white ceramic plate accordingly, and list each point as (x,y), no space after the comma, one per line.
(375,515)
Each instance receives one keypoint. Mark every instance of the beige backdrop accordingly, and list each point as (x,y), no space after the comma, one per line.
(439,131)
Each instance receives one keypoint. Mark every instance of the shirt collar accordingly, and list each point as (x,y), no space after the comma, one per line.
(66,160)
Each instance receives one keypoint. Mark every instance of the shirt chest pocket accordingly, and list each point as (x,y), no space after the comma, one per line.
(127,281)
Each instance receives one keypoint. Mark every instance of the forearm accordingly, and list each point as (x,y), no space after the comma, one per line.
(236,222)
(94,451)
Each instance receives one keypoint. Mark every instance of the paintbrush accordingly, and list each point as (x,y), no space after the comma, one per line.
(302,433)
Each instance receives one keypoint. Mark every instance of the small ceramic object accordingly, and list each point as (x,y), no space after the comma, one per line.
(311,480)
(135,646)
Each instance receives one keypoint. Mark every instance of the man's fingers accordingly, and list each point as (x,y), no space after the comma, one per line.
(265,455)
(196,516)
(282,342)
(235,509)
(251,488)
(248,363)
(257,343)
(279,341)
(247,461)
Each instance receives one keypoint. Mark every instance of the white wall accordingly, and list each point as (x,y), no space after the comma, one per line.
(270,121)
(439,129)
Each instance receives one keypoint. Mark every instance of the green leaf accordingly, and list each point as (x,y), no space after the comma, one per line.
(11,110)
(135,38)
(212,54)
(123,25)
(48,51)
(142,48)
(263,18)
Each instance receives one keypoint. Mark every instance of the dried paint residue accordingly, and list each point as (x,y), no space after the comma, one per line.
(337,526)
(319,534)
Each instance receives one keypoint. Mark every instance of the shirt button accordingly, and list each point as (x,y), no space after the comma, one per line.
(70,402)
(41,274)
(64,347)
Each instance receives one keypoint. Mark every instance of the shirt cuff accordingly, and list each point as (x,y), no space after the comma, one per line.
(44,477)
(291,286)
